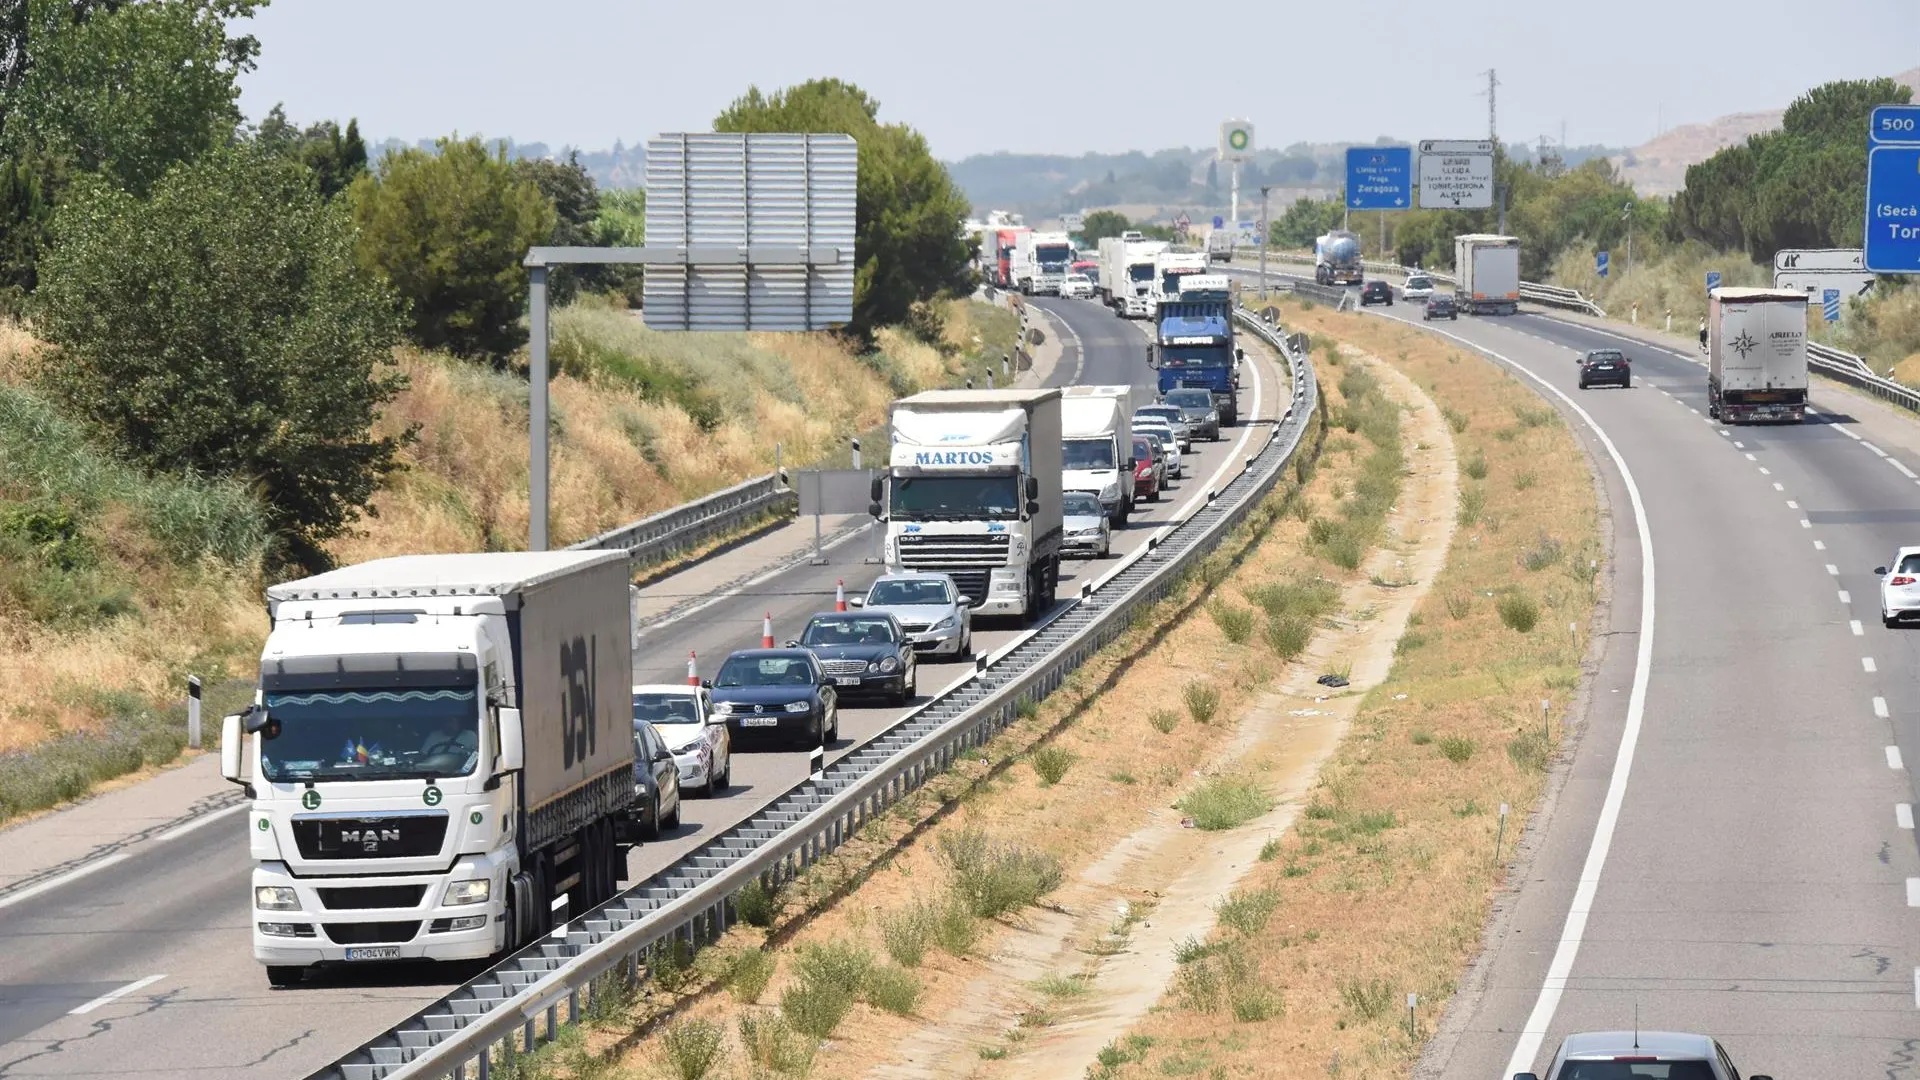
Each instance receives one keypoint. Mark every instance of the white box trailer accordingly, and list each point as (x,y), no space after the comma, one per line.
(1757,355)
(441,747)
(1096,430)
(1487,269)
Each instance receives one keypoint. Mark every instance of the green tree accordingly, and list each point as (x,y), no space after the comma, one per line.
(576,206)
(909,244)
(1101,224)
(24,216)
(622,222)
(336,158)
(449,233)
(221,327)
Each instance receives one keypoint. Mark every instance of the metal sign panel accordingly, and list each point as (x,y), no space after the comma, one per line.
(1236,140)
(834,491)
(1600,263)
(708,190)
(1830,305)
(1713,280)
(1893,210)
(1894,125)
(1073,223)
(1816,282)
(1820,259)
(1456,174)
(1379,177)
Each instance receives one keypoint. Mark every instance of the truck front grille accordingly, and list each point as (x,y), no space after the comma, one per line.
(372,896)
(410,836)
(372,933)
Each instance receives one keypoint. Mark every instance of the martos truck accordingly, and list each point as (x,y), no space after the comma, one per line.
(1757,355)
(441,746)
(1096,430)
(1487,269)
(972,489)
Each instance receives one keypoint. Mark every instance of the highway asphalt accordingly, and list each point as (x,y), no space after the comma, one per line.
(1747,867)
(75,963)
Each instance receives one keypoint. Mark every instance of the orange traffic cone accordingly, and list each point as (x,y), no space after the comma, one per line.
(766,632)
(693,673)
(840,595)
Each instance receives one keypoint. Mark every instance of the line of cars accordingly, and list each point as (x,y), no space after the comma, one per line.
(1418,289)
(685,734)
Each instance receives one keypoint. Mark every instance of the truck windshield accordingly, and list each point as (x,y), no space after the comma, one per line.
(408,732)
(1170,281)
(955,498)
(1195,356)
(1054,255)
(1086,454)
(1140,272)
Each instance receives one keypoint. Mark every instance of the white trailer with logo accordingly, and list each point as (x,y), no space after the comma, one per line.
(1096,429)
(441,748)
(1487,269)
(1127,276)
(1757,355)
(972,489)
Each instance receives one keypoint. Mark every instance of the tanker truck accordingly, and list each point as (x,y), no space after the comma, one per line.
(1336,258)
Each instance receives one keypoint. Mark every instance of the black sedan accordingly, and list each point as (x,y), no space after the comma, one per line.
(864,652)
(1605,366)
(1440,306)
(776,692)
(1376,292)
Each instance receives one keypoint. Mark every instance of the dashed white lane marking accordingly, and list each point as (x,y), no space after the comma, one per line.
(1880,707)
(1904,471)
(1805,524)
(1893,758)
(1725,434)
(1877,452)
(1777,485)
(1750,457)
(1916,988)
(1858,631)
(1693,410)
(115,995)
(1738,445)
(1819,545)
(1791,505)
(1913,892)
(1846,597)
(1903,815)
(1866,664)
(1832,569)
(1764,471)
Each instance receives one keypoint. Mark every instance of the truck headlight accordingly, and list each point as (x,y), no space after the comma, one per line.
(275,898)
(799,706)
(471,891)
(1110,492)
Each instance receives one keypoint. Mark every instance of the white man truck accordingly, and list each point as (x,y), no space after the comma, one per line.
(441,746)
(1336,258)
(1096,430)
(972,489)
(1487,269)
(1169,267)
(1127,273)
(1757,355)
(1048,255)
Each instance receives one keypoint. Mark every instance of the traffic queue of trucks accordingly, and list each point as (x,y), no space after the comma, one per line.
(1193,343)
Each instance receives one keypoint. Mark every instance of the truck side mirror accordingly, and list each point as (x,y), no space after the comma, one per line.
(513,747)
(1033,506)
(1240,354)
(1530,1076)
(1033,487)
(1152,360)
(230,747)
(873,491)
(254,719)
(873,509)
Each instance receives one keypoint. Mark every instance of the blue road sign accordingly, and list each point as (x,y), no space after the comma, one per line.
(1713,280)
(1219,222)
(1830,300)
(1893,209)
(1894,125)
(1600,263)
(1379,177)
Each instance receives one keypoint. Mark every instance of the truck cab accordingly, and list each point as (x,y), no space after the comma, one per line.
(1096,446)
(1193,344)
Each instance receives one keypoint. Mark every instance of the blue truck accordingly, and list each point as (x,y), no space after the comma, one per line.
(1193,343)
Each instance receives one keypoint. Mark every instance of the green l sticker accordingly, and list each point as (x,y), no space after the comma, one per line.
(310,799)
(263,826)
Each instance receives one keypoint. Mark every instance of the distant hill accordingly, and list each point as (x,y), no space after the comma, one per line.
(1659,166)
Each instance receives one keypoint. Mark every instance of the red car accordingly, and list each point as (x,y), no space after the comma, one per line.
(1146,471)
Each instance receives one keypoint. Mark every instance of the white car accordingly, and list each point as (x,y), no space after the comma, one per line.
(1076,287)
(701,747)
(1155,426)
(1182,435)
(936,617)
(1418,287)
(1900,586)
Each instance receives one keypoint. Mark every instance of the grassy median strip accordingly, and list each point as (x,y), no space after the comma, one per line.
(1383,888)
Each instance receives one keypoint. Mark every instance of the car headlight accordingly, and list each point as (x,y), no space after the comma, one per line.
(944,624)
(471,891)
(873,666)
(1213,418)
(275,898)
(889,664)
(799,706)
(723,708)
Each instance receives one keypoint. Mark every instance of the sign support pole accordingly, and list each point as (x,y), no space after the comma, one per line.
(537,410)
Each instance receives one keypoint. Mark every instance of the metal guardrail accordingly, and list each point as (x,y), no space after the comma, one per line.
(1852,370)
(652,539)
(1533,292)
(693,899)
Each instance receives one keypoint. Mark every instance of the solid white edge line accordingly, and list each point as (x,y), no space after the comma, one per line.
(51,884)
(1904,471)
(1534,1032)
(200,822)
(110,998)
(1877,452)
(1880,707)
(1893,758)
(1903,815)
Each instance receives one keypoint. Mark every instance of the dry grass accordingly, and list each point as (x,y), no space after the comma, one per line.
(1383,888)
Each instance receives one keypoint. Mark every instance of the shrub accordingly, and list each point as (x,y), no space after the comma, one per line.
(1519,611)
(1202,698)
(1225,802)
(829,978)
(954,928)
(1304,596)
(1524,479)
(1051,764)
(1408,642)
(1473,503)
(1544,553)
(1456,419)
(1420,736)
(693,1048)
(1288,636)
(756,904)
(771,1042)
(1246,913)
(994,879)
(1533,417)
(907,931)
(1456,748)
(748,973)
(1235,622)
(1163,720)
(1475,466)
(1367,1000)
(1459,603)
(1530,751)
(894,989)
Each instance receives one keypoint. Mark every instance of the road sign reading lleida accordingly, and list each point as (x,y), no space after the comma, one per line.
(1456,174)
(1713,280)
(1894,125)
(1236,140)
(1600,263)
(1830,302)
(1893,209)
(1378,177)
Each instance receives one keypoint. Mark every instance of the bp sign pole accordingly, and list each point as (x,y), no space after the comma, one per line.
(1236,145)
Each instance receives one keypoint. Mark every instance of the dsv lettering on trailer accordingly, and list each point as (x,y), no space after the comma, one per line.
(578,698)
(952,457)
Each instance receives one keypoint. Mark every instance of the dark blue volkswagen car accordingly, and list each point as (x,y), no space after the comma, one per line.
(864,652)
(775,693)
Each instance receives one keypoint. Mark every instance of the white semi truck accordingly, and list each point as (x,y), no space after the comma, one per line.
(1487,269)
(972,489)
(440,748)
(1096,430)
(1757,355)
(1048,254)
(1127,277)
(1169,267)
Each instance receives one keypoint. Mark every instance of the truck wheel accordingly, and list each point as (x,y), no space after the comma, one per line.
(285,977)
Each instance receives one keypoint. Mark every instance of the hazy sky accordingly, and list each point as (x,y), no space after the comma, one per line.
(1104,75)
